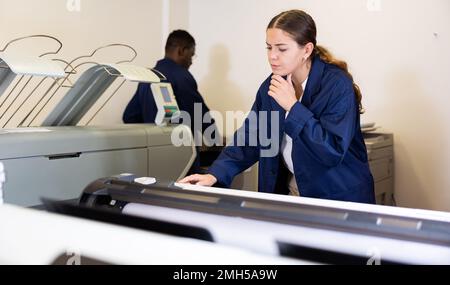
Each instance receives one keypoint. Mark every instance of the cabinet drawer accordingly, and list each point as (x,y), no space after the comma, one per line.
(381,168)
(384,191)
(64,178)
(378,153)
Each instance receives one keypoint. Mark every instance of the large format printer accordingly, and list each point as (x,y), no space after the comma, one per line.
(30,236)
(51,153)
(307,231)
(33,237)
(56,162)
(169,223)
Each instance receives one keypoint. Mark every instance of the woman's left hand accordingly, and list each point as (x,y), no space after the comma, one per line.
(283,91)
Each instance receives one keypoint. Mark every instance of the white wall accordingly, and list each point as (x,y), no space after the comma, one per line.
(178,14)
(98,23)
(399,56)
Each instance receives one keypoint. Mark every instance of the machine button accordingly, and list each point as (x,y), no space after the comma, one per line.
(145,180)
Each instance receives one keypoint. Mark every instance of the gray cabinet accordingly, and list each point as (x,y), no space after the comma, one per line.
(380,149)
(59,162)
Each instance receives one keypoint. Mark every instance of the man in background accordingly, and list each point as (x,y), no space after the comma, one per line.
(179,52)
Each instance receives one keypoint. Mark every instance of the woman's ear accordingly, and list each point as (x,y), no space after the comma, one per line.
(309,48)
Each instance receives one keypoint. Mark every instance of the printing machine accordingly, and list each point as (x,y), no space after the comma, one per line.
(33,237)
(307,230)
(51,155)
(56,162)
(130,220)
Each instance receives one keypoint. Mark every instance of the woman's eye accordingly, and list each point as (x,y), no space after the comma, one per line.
(283,50)
(268,48)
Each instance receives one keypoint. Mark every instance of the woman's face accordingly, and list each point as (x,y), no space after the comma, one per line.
(284,54)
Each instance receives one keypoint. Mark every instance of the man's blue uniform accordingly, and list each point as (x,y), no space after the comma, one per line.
(142,107)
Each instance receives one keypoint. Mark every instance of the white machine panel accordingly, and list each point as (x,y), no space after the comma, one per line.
(166,103)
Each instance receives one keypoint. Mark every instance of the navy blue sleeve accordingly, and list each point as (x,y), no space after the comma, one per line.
(240,156)
(328,138)
(142,107)
(205,111)
(148,104)
(133,113)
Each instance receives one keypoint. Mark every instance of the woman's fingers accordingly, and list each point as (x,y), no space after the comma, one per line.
(201,180)
(203,183)
(273,88)
(276,83)
(279,80)
(282,91)
(184,180)
(279,84)
(189,179)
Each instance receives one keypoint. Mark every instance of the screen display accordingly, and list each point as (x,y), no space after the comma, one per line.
(166,95)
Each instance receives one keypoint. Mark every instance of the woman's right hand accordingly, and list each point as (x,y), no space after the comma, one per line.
(199,179)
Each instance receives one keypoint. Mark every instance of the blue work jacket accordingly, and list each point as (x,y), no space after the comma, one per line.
(328,152)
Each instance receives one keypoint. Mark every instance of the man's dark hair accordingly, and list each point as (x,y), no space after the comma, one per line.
(179,38)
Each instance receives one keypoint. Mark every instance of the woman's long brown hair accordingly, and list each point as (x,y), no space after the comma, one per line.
(302,28)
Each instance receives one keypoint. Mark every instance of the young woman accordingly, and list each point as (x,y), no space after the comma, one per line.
(322,152)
